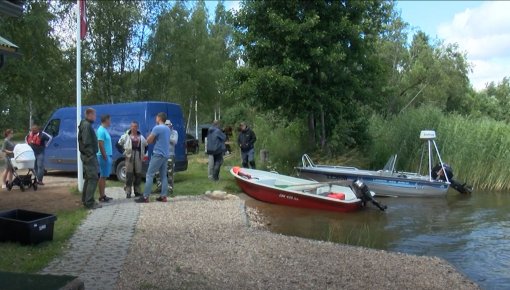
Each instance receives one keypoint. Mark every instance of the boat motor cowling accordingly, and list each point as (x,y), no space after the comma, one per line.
(362,192)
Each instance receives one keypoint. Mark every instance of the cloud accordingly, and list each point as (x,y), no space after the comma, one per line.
(484,33)
(233,6)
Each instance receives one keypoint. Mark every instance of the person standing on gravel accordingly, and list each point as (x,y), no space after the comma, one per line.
(216,147)
(7,149)
(38,141)
(160,136)
(104,156)
(87,144)
(132,144)
(174,137)
(246,141)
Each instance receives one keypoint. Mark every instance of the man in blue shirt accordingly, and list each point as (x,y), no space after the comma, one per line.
(104,156)
(160,136)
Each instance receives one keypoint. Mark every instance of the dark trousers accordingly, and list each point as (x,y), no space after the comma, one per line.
(248,158)
(134,172)
(90,176)
(218,161)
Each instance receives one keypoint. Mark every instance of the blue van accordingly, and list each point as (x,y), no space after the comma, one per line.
(61,152)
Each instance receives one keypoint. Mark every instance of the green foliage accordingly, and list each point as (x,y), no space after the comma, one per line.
(30,82)
(314,72)
(310,60)
(284,140)
(109,49)
(476,148)
(188,57)
(493,101)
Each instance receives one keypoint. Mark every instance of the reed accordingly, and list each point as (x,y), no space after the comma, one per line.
(476,148)
(356,236)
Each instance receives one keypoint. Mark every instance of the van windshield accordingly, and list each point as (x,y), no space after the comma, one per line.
(53,127)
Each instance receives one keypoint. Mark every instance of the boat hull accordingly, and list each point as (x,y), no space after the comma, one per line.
(381,185)
(294,199)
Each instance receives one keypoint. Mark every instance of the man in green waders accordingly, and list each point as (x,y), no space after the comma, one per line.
(87,141)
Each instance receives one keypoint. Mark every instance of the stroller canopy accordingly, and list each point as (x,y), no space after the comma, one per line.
(23,153)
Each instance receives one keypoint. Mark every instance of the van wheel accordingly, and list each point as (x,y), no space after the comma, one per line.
(121,171)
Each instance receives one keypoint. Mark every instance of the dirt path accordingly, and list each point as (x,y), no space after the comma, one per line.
(55,195)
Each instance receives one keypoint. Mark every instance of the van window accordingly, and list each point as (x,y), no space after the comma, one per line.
(53,127)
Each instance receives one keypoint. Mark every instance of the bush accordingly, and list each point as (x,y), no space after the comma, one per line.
(285,141)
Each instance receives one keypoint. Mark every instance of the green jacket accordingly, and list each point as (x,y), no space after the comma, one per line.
(87,139)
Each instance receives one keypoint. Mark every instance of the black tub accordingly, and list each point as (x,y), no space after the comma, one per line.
(26,227)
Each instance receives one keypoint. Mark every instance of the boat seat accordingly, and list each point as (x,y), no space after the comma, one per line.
(270,182)
(323,190)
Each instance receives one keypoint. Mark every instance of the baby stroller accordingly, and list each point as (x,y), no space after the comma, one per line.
(24,159)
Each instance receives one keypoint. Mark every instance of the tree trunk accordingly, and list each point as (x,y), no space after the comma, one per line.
(189,115)
(311,130)
(323,130)
(140,53)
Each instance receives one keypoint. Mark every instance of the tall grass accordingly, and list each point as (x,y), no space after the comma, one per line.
(478,149)
(285,141)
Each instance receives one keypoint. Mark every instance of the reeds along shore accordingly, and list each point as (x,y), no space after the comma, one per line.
(478,149)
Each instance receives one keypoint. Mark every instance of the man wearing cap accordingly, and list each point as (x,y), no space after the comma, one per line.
(174,137)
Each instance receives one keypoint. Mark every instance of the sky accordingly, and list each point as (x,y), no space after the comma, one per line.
(480,28)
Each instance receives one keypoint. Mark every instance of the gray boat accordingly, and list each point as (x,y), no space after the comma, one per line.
(389,181)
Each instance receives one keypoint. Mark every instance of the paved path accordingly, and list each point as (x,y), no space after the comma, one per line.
(99,247)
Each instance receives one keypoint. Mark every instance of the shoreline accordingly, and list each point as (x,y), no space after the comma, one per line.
(202,243)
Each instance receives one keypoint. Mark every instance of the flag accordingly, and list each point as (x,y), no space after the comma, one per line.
(83,19)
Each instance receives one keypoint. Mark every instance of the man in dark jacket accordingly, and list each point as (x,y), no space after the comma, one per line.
(87,141)
(216,147)
(246,141)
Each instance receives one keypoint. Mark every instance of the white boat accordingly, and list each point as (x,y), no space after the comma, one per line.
(388,181)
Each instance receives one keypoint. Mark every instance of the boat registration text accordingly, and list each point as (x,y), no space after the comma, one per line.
(281,195)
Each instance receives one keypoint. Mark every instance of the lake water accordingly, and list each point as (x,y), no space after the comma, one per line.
(472,232)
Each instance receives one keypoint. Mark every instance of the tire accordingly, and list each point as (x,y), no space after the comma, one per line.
(22,187)
(197,149)
(120,171)
(34,185)
(9,186)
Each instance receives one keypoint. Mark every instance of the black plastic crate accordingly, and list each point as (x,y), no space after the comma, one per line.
(26,227)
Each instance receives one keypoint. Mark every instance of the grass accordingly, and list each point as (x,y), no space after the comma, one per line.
(361,237)
(31,259)
(194,181)
(478,149)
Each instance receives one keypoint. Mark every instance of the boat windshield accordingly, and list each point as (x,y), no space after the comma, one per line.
(390,165)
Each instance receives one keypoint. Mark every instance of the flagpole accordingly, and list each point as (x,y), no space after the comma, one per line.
(78,93)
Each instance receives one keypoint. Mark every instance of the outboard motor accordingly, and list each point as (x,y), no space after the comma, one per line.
(438,174)
(362,192)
